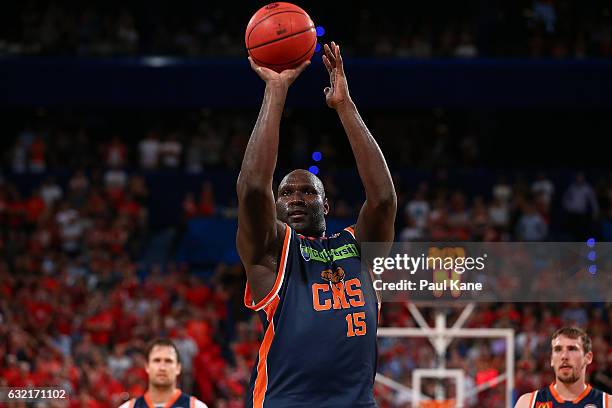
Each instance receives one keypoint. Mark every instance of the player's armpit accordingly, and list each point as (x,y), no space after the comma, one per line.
(262,270)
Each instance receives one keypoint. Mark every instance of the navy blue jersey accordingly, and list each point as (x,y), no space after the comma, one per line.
(320,321)
(549,398)
(178,400)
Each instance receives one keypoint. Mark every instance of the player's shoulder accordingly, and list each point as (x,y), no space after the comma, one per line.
(525,401)
(128,404)
(196,403)
(599,393)
(607,397)
(347,233)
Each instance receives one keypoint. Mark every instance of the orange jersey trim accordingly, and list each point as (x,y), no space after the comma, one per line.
(583,394)
(560,400)
(280,275)
(171,401)
(261,382)
(555,394)
(351,231)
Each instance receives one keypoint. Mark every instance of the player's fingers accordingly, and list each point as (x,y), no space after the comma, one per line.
(338,57)
(253,65)
(327,64)
(259,70)
(326,51)
(329,54)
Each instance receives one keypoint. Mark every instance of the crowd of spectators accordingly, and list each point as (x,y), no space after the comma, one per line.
(78,301)
(527,28)
(77,305)
(422,152)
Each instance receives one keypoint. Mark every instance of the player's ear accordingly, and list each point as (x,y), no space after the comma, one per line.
(325,206)
(179,369)
(589,357)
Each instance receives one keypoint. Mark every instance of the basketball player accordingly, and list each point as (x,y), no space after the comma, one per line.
(163,368)
(319,312)
(571,353)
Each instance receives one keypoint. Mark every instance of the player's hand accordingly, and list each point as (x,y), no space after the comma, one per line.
(283,79)
(337,94)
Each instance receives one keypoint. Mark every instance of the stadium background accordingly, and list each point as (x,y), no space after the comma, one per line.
(123,131)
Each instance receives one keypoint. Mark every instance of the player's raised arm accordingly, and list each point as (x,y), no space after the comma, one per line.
(258,228)
(377,216)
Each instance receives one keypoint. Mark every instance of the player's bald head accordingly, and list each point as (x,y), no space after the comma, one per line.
(300,176)
(301,203)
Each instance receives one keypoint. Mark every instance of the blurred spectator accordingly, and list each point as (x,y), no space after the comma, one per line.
(195,155)
(502,191)
(418,208)
(188,349)
(543,188)
(38,159)
(170,152)
(206,206)
(115,181)
(581,206)
(531,225)
(119,362)
(499,214)
(466,47)
(411,231)
(190,206)
(116,153)
(50,191)
(19,154)
(149,148)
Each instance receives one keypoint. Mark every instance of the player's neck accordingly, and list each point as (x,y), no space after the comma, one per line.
(570,391)
(161,395)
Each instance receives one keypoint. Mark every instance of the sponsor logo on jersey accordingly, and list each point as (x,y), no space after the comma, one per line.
(590,406)
(328,255)
(544,405)
(333,277)
(305,252)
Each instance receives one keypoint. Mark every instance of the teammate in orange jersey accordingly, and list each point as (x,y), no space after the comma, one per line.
(163,368)
(571,354)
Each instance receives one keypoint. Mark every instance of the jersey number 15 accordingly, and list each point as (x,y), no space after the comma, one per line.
(356,324)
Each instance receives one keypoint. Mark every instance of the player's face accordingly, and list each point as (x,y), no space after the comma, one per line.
(163,367)
(569,360)
(301,203)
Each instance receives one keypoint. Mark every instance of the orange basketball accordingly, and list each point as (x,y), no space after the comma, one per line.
(280,36)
